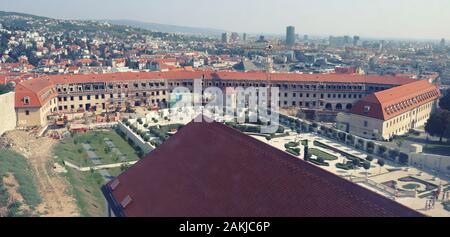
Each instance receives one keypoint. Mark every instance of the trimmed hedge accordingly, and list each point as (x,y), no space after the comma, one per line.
(293,151)
(318,162)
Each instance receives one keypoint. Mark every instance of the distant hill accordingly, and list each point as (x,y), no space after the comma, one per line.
(3,14)
(167,28)
(29,22)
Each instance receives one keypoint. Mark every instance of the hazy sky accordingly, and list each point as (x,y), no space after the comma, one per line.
(426,19)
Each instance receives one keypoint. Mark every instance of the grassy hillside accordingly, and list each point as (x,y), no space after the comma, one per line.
(17,165)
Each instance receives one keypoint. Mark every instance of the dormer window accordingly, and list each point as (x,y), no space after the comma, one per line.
(26,100)
(366,109)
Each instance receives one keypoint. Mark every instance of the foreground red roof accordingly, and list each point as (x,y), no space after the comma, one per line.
(209,169)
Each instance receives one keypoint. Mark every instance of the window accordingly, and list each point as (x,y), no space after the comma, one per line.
(27,112)
(366,124)
(26,100)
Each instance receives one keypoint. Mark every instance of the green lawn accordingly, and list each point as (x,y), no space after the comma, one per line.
(410,186)
(85,187)
(324,155)
(116,171)
(14,163)
(71,148)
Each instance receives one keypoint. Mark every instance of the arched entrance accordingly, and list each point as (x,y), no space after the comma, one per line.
(328,106)
(338,106)
(349,106)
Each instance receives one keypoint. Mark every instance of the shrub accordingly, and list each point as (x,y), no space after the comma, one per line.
(280,129)
(369,158)
(140,121)
(356,162)
(359,146)
(342,136)
(294,152)
(123,167)
(344,166)
(403,158)
(291,144)
(382,150)
(394,153)
(296,149)
(350,138)
(319,162)
(366,165)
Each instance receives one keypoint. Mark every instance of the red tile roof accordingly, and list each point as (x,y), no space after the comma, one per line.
(209,169)
(39,92)
(124,76)
(392,102)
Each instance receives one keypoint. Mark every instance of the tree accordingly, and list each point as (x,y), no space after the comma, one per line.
(369,158)
(382,150)
(356,162)
(444,102)
(380,163)
(5,88)
(439,124)
(366,166)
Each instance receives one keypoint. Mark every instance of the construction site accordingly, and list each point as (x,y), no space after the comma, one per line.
(57,187)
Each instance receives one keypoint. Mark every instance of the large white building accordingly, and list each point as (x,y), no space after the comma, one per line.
(395,111)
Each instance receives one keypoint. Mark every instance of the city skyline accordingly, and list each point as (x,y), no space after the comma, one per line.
(321,18)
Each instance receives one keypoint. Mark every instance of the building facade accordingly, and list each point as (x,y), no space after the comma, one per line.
(38,98)
(7,112)
(393,112)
